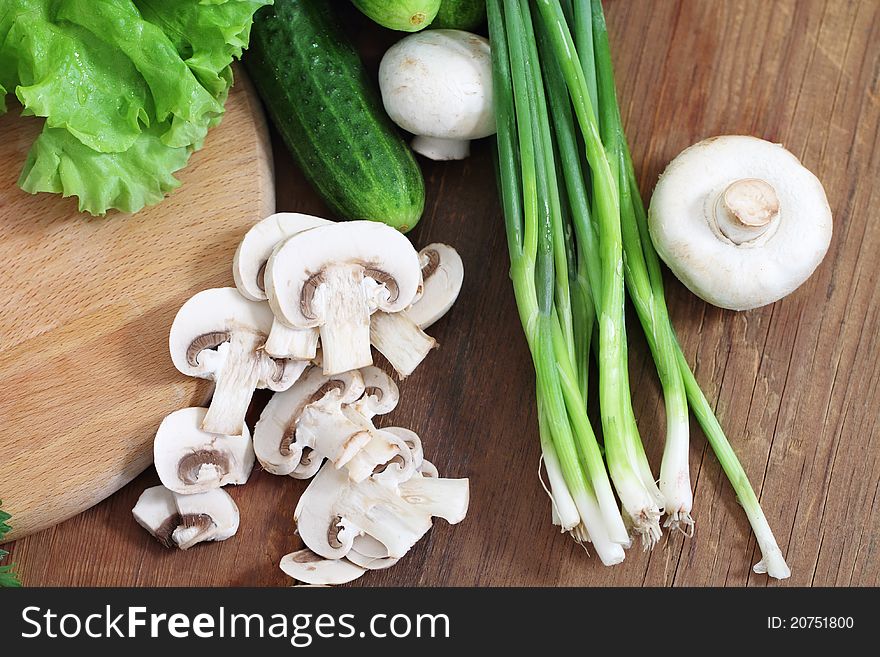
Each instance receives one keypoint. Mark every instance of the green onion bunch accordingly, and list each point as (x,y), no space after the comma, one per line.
(578,240)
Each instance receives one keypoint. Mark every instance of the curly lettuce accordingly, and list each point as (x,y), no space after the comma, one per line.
(128,89)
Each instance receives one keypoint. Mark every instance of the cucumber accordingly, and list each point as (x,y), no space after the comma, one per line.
(461,14)
(403,15)
(318,95)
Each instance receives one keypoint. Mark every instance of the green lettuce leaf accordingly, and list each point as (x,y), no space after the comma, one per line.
(128,88)
(142,175)
(207,39)
(73,79)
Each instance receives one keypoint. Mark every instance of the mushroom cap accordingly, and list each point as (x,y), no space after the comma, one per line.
(189,460)
(306,566)
(277,423)
(442,277)
(438,83)
(739,277)
(254,250)
(209,516)
(208,315)
(380,249)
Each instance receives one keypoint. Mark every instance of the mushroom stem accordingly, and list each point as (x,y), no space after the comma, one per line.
(400,340)
(287,342)
(746,210)
(438,148)
(345,333)
(235,382)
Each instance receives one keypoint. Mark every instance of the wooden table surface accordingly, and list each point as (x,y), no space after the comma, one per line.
(795,384)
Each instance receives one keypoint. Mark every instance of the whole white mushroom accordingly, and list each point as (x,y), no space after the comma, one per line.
(740,221)
(437,84)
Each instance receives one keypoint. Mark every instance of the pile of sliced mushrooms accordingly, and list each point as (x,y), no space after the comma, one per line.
(311,296)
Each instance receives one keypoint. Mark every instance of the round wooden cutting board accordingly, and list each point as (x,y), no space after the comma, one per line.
(85,308)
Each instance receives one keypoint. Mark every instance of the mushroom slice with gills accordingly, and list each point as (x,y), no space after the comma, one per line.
(156,512)
(219,335)
(334,277)
(252,254)
(334,510)
(275,442)
(341,434)
(249,267)
(442,278)
(190,460)
(400,337)
(184,520)
(209,516)
(386,457)
(395,468)
(380,395)
(306,566)
(309,464)
(740,221)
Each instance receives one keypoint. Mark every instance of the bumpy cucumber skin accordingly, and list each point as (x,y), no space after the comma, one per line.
(331,119)
(460,14)
(401,15)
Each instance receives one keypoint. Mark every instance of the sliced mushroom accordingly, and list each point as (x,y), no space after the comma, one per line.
(400,340)
(370,563)
(380,395)
(156,512)
(334,277)
(306,566)
(249,263)
(190,460)
(350,440)
(369,553)
(184,520)
(400,336)
(385,457)
(428,469)
(275,441)
(309,464)
(219,335)
(208,516)
(411,439)
(369,547)
(442,277)
(334,510)
(249,267)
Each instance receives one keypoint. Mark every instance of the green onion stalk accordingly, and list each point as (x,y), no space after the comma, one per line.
(660,334)
(583,502)
(643,276)
(627,462)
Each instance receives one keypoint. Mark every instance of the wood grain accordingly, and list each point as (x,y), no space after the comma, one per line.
(795,384)
(87,303)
